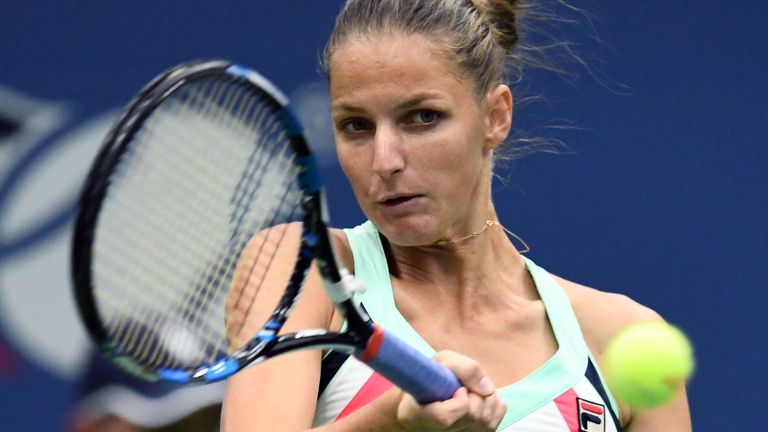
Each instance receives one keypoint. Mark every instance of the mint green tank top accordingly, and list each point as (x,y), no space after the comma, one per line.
(535,399)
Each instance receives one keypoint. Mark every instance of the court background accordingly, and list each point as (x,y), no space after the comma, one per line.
(663,197)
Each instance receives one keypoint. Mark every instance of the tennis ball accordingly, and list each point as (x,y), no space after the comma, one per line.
(648,363)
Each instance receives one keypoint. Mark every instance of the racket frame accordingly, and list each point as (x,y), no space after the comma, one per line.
(315,240)
(363,338)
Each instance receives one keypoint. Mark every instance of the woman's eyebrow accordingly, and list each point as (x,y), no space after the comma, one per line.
(415,101)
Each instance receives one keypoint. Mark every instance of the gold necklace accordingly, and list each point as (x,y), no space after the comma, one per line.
(488,223)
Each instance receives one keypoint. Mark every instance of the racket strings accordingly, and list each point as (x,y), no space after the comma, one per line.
(157,278)
(244,196)
(255,272)
(255,276)
(150,310)
(203,189)
(228,263)
(246,291)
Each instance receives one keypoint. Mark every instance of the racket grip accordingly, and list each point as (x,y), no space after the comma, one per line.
(425,379)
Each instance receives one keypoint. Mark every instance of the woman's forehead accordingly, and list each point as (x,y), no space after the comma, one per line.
(384,47)
(399,60)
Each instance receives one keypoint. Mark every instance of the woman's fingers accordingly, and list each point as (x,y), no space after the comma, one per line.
(475,407)
(468,371)
(499,410)
(485,412)
(433,416)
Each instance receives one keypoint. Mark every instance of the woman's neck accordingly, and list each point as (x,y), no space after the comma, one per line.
(479,262)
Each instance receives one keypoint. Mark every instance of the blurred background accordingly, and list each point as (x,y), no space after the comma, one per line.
(662,195)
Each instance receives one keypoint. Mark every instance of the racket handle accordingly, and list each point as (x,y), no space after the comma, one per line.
(425,379)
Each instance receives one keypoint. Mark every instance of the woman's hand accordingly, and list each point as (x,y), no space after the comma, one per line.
(475,407)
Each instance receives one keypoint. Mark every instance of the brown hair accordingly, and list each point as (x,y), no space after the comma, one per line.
(478,34)
(491,41)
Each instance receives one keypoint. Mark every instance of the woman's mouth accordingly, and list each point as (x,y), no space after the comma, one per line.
(398,201)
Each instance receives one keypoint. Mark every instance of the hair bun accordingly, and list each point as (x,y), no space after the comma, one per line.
(501,16)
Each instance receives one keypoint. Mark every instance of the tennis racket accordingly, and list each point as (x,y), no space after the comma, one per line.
(197,225)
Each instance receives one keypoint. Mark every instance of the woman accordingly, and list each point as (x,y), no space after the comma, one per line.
(419,108)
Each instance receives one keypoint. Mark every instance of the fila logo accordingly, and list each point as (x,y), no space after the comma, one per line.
(591,416)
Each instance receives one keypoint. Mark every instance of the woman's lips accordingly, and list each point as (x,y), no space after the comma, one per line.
(398,202)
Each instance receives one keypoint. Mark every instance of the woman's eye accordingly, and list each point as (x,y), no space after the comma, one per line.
(354,125)
(425,117)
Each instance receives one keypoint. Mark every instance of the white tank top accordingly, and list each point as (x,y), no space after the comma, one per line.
(566,393)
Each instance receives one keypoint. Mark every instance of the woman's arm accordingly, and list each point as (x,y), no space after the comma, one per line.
(279,394)
(673,417)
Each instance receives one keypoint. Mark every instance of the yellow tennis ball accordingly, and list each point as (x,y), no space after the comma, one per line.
(648,363)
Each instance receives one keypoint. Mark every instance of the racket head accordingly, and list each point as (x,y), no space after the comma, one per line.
(152,268)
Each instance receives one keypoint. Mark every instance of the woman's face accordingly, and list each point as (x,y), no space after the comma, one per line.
(411,138)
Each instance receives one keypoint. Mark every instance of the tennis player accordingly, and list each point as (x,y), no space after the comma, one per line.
(419,109)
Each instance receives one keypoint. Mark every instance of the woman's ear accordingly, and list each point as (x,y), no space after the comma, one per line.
(499,115)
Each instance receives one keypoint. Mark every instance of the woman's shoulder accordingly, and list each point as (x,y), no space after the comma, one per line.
(341,248)
(364,236)
(602,314)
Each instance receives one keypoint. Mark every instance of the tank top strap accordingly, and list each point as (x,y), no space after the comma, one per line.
(372,269)
(559,310)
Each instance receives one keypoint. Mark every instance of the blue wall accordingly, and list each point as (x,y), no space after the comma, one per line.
(662,198)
